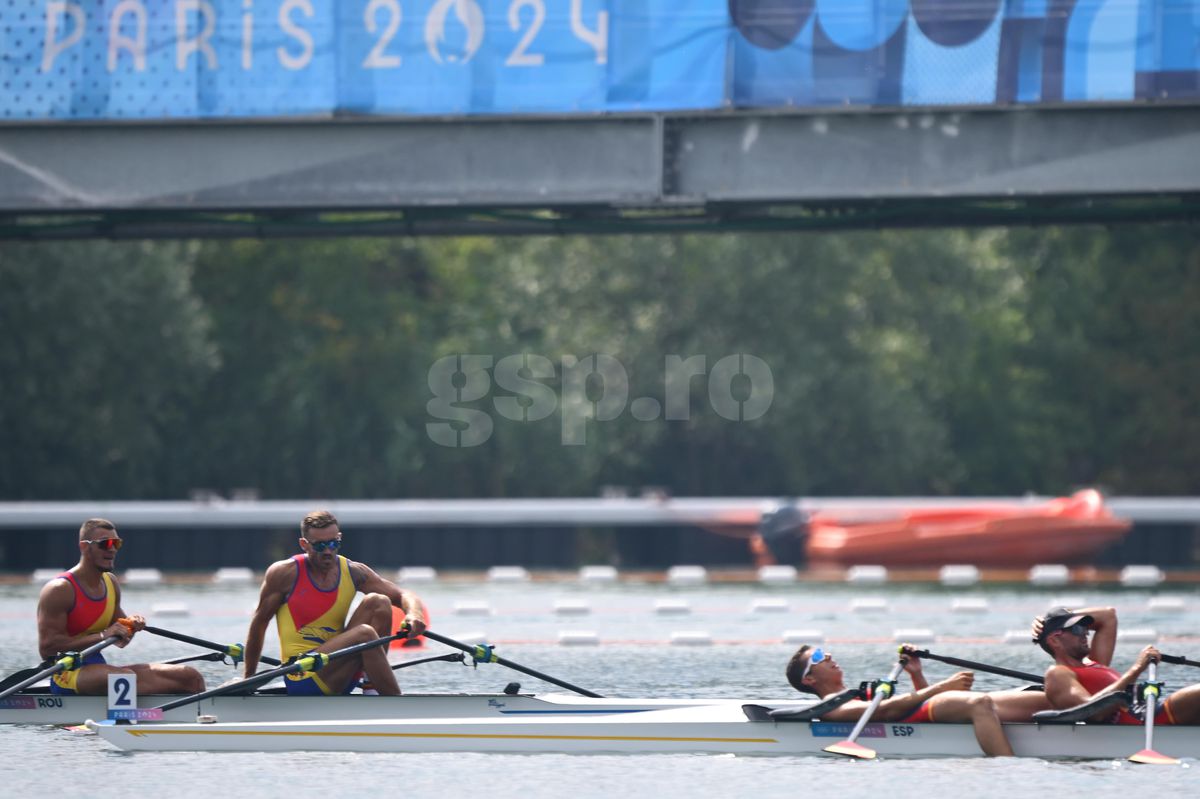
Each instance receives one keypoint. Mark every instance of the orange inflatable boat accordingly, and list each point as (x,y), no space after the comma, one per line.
(1064,530)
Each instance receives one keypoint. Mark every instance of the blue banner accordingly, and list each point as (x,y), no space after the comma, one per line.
(169,59)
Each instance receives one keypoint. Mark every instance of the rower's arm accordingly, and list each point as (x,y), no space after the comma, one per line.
(1063,689)
(1104,634)
(367,581)
(270,599)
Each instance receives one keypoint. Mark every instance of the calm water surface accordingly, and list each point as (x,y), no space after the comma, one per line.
(744,661)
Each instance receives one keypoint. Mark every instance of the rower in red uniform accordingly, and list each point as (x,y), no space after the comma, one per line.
(814,671)
(309,595)
(1081,671)
(81,607)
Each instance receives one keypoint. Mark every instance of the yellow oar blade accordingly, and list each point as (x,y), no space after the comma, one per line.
(851,749)
(1152,758)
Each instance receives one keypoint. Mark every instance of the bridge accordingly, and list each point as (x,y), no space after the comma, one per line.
(224,118)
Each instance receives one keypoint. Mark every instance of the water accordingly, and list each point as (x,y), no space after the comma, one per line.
(746,660)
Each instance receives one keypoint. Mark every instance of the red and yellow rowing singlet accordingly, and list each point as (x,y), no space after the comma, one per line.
(88,614)
(310,616)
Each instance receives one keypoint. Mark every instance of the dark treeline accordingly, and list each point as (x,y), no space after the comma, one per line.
(932,362)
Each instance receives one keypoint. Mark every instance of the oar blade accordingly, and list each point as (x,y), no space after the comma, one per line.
(851,749)
(1152,758)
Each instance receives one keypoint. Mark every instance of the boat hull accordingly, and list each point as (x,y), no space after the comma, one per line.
(44,708)
(711,729)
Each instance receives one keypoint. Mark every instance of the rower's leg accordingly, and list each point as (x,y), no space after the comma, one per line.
(338,674)
(980,710)
(93,679)
(376,611)
(1019,705)
(167,678)
(1184,705)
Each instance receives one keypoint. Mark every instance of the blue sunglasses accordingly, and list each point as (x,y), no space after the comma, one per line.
(816,657)
(321,546)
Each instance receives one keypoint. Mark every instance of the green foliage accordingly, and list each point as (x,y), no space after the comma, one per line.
(904,362)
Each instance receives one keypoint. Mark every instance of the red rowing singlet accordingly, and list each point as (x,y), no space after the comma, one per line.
(91,614)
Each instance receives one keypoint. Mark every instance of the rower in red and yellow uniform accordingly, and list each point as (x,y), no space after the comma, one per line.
(309,597)
(82,606)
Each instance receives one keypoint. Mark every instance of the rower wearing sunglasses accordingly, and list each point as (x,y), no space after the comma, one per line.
(814,671)
(80,608)
(309,595)
(1082,670)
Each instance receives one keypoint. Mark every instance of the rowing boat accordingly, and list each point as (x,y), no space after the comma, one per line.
(41,707)
(716,729)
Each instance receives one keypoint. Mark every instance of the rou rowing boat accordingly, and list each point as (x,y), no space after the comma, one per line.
(716,729)
(44,708)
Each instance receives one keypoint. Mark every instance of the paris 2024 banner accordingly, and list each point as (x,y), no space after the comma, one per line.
(180,59)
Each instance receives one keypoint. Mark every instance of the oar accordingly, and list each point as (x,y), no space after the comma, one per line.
(971,664)
(849,747)
(71,660)
(1176,660)
(234,651)
(457,657)
(313,661)
(1148,755)
(482,653)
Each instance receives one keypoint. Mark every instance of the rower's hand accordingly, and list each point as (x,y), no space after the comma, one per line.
(1147,656)
(122,631)
(961,681)
(912,663)
(138,621)
(1036,630)
(415,624)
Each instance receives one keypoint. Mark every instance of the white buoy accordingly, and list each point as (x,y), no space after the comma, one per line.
(142,577)
(598,574)
(1141,576)
(1049,574)
(572,607)
(868,604)
(1166,604)
(803,637)
(691,638)
(769,605)
(687,575)
(578,638)
(969,604)
(866,575)
(775,575)
(416,574)
(508,574)
(958,574)
(177,609)
(233,575)
(1137,635)
(41,576)
(672,607)
(913,635)
(471,607)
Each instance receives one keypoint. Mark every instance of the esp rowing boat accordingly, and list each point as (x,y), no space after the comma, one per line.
(715,729)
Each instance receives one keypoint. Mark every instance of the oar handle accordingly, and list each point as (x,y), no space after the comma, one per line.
(314,661)
(66,662)
(1178,660)
(484,654)
(235,651)
(971,664)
